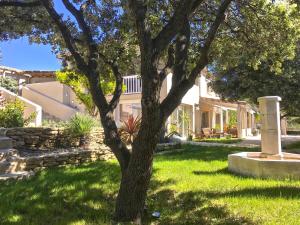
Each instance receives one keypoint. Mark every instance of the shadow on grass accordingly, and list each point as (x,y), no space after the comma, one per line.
(62,196)
(214,172)
(285,192)
(86,195)
(191,208)
(78,195)
(202,153)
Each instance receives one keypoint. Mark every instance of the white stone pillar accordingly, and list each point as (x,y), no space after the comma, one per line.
(227,117)
(194,119)
(221,121)
(241,119)
(213,118)
(270,125)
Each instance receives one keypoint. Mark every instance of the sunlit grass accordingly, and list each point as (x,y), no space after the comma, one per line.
(188,187)
(293,147)
(220,140)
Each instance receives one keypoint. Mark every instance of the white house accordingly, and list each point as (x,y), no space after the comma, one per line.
(200,107)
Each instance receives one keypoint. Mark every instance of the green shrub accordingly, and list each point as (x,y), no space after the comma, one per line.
(9,84)
(12,115)
(232,119)
(54,124)
(81,125)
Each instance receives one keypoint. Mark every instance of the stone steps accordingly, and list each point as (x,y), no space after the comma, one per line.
(10,162)
(6,153)
(5,143)
(16,175)
(10,165)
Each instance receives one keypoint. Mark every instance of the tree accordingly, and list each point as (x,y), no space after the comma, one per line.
(179,36)
(243,82)
(80,85)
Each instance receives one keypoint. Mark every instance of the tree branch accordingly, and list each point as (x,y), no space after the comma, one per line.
(177,92)
(118,89)
(169,31)
(92,46)
(181,53)
(19,3)
(138,10)
(170,63)
(66,34)
(78,14)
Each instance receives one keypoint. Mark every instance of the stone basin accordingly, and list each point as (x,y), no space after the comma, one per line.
(257,164)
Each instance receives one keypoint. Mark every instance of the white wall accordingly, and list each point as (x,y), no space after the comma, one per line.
(49,105)
(52,89)
(205,90)
(191,97)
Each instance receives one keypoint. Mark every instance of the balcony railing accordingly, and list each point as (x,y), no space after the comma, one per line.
(133,84)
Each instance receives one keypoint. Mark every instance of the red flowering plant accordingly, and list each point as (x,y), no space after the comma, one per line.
(130,129)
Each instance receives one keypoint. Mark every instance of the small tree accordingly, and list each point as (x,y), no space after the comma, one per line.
(80,86)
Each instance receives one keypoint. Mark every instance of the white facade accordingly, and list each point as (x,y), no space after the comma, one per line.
(200,107)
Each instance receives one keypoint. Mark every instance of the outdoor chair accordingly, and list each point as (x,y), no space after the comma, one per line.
(208,133)
(233,132)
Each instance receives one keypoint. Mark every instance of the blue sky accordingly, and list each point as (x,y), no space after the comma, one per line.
(22,55)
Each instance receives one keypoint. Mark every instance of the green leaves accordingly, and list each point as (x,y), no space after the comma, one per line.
(245,82)
(261,31)
(12,114)
(9,84)
(81,125)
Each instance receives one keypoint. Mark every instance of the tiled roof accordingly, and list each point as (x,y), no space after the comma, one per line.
(32,73)
(41,73)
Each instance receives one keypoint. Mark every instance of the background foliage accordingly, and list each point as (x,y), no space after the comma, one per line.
(9,84)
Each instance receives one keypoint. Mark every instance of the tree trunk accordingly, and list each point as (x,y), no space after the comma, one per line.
(135,180)
(133,191)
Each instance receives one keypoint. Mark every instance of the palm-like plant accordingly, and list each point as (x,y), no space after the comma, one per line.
(130,129)
(80,125)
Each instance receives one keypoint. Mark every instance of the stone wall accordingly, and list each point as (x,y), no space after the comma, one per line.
(50,138)
(79,156)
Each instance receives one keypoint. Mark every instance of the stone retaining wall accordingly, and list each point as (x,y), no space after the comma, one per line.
(50,138)
(33,163)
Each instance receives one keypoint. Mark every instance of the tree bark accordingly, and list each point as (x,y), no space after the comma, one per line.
(135,180)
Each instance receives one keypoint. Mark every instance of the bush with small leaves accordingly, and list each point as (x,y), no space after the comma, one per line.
(11,115)
(9,84)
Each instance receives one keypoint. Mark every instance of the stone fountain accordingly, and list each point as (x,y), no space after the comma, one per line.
(271,162)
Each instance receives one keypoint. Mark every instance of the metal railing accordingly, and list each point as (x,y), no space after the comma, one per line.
(133,84)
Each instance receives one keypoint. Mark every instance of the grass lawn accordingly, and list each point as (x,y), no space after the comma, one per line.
(220,140)
(294,147)
(189,187)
